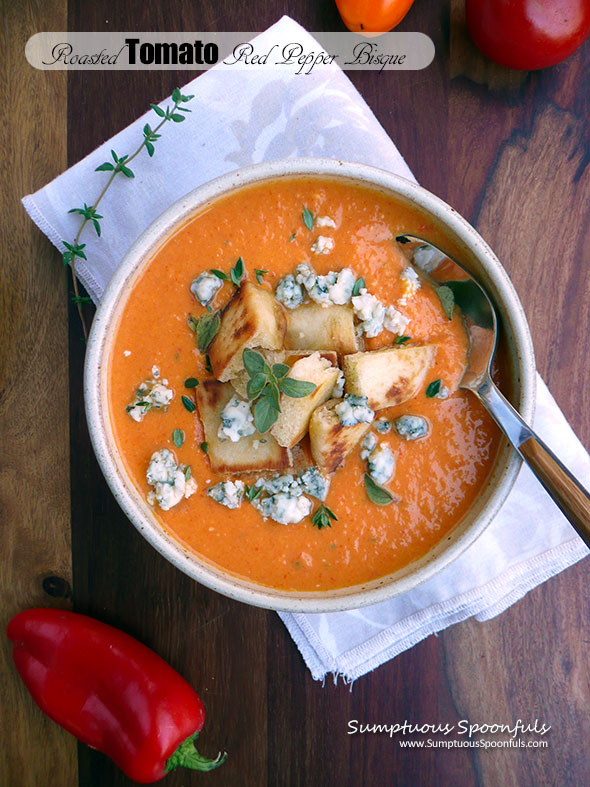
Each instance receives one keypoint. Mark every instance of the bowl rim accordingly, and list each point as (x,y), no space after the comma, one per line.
(449,548)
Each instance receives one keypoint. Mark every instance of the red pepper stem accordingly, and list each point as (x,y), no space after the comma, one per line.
(186,756)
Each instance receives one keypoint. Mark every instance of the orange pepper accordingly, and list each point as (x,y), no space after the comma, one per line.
(372,16)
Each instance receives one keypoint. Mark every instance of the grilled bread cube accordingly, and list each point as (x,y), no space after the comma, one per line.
(253,318)
(289,357)
(315,327)
(387,377)
(330,441)
(254,453)
(293,420)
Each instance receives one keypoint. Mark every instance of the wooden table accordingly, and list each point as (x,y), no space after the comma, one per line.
(511,154)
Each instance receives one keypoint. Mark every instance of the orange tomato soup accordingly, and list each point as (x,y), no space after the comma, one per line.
(436,479)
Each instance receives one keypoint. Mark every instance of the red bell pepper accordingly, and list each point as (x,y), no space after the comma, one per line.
(110,691)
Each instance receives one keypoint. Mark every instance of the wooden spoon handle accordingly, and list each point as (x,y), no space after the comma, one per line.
(566,491)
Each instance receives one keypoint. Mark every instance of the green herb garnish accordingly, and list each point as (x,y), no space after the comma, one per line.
(237,272)
(433,388)
(377,494)
(220,274)
(358,286)
(188,473)
(266,385)
(447,299)
(296,389)
(118,165)
(89,214)
(192,323)
(307,217)
(205,448)
(188,403)
(191,382)
(252,492)
(207,329)
(259,275)
(322,517)
(178,437)
(292,238)
(401,339)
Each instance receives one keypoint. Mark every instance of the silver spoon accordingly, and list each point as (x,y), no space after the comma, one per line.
(482,328)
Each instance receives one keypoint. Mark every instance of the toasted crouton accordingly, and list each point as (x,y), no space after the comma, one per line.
(330,441)
(253,318)
(289,357)
(387,377)
(253,453)
(293,420)
(315,327)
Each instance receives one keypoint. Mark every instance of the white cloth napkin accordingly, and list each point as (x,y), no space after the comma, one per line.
(242,117)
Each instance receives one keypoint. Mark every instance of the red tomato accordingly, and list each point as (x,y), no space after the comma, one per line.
(372,16)
(528,34)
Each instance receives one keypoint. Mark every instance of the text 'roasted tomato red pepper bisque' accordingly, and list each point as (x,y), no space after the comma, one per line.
(110,691)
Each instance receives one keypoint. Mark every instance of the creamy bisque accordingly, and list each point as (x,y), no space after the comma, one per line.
(437,477)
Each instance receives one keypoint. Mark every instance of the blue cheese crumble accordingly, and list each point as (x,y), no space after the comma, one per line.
(150,394)
(283,497)
(205,286)
(168,479)
(314,483)
(411,427)
(237,420)
(338,389)
(289,292)
(427,258)
(284,508)
(325,221)
(370,312)
(283,484)
(322,245)
(368,445)
(410,285)
(333,288)
(395,321)
(374,316)
(381,464)
(228,493)
(380,459)
(354,410)
(382,425)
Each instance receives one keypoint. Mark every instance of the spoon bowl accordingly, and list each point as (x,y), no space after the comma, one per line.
(457,288)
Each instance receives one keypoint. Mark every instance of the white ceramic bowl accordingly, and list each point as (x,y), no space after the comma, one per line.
(519,353)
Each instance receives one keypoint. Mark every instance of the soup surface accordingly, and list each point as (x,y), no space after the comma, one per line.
(274,227)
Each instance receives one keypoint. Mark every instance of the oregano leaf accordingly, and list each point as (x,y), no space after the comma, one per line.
(447,299)
(296,389)
(377,494)
(207,329)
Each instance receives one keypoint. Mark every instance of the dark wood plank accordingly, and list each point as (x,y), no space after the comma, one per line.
(34,482)
(531,208)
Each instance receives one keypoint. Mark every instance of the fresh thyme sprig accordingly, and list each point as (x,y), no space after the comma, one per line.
(119,164)
(322,517)
(266,385)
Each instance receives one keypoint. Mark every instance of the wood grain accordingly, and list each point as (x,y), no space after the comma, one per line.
(34,478)
(511,155)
